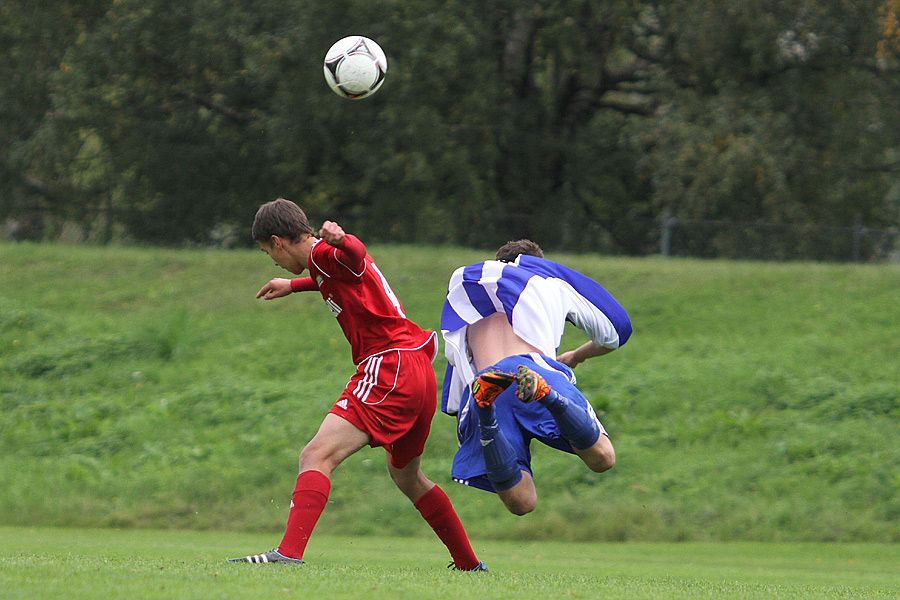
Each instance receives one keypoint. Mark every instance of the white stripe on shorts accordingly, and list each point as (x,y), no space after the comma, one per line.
(365,385)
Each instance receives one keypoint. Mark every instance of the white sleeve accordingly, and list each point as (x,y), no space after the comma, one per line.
(590,319)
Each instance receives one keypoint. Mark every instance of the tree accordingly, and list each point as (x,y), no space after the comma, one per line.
(172,93)
(776,112)
(574,122)
(34,158)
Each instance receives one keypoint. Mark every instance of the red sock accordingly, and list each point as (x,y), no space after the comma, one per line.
(436,508)
(307,504)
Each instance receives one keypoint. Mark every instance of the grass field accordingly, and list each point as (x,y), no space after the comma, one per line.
(147,387)
(96,564)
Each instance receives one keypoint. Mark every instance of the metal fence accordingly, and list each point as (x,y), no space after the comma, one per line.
(777,241)
(668,236)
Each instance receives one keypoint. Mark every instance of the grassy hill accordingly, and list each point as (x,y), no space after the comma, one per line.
(148,387)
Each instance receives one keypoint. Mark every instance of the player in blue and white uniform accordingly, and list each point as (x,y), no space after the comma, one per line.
(502,324)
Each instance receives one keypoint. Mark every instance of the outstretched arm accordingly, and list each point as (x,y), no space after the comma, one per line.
(280,287)
(582,353)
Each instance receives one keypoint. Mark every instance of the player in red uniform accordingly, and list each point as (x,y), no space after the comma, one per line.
(391,399)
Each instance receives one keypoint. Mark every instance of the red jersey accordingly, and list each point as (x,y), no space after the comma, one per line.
(359,296)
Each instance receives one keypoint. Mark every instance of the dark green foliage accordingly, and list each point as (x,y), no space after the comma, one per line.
(576,123)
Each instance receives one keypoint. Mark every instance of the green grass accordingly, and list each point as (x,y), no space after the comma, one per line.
(149,388)
(100,564)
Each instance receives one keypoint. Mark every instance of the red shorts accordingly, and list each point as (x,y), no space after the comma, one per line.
(393,397)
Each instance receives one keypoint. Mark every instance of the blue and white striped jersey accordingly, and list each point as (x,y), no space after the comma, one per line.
(538,297)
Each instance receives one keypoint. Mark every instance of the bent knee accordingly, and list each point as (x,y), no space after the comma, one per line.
(520,499)
(317,458)
(604,463)
(600,458)
(521,507)
(312,453)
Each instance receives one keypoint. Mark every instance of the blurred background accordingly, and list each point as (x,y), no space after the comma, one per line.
(767,130)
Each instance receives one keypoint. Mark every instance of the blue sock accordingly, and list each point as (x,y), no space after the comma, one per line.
(499,456)
(575,424)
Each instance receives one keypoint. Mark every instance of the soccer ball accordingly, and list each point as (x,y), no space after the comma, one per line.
(355,67)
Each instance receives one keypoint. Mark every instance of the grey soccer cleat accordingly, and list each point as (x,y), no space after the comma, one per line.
(479,567)
(272,556)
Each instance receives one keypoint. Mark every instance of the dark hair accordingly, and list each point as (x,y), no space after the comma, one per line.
(282,218)
(509,251)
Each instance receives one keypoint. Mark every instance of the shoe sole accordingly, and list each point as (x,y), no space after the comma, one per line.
(490,385)
(530,386)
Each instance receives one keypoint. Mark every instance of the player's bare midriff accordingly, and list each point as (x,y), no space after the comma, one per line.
(492,339)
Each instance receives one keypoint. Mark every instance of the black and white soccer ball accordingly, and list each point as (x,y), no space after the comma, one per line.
(355,67)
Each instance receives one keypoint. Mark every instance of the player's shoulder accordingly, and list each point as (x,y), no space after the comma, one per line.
(321,247)
(323,252)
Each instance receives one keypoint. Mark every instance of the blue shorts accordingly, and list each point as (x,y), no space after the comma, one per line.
(519,422)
